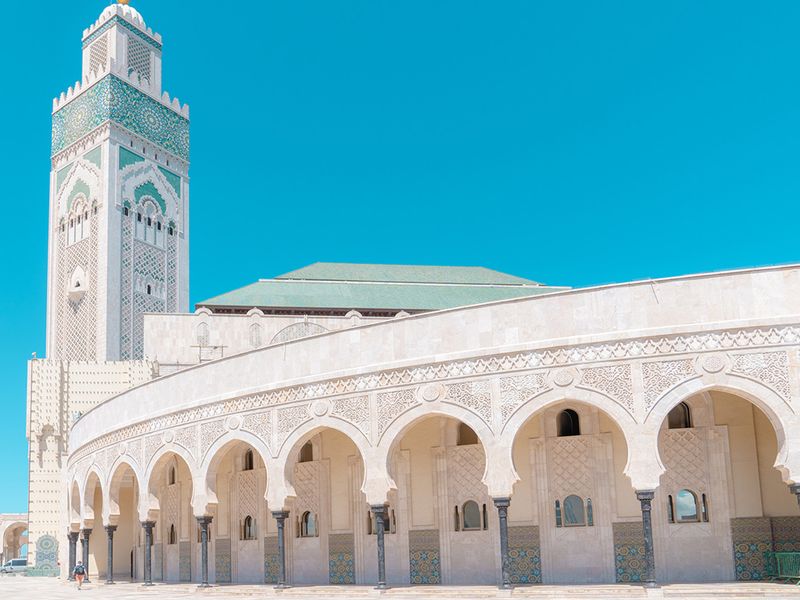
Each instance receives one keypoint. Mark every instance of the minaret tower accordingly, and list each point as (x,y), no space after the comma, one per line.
(119,196)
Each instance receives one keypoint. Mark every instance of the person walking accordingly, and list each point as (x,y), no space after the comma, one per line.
(80,573)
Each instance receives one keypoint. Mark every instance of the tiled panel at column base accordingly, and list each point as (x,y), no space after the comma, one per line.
(222,560)
(751,537)
(525,556)
(341,562)
(272,565)
(424,557)
(786,534)
(629,563)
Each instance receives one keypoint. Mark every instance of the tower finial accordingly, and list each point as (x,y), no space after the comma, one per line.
(123,1)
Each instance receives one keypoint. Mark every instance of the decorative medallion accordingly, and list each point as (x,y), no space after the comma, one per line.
(713,363)
(564,377)
(431,392)
(320,408)
(233,422)
(168,437)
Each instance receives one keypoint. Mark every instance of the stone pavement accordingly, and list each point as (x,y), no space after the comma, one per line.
(29,588)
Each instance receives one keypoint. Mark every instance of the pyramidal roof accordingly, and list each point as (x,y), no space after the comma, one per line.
(374,290)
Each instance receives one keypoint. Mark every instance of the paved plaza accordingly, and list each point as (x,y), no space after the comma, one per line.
(55,589)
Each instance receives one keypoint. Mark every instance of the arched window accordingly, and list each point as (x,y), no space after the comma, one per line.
(173,535)
(172,476)
(574,514)
(568,423)
(308,525)
(680,417)
(255,335)
(471,514)
(202,334)
(248,461)
(686,509)
(248,528)
(306,453)
(466,435)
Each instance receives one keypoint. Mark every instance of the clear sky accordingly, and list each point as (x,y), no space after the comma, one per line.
(573,143)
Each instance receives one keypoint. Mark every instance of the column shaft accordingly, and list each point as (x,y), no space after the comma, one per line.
(646,499)
(148,547)
(502,505)
(85,546)
(110,529)
(379,510)
(204,522)
(72,536)
(280,518)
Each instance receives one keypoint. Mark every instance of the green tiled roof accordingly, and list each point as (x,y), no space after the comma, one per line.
(338,286)
(404,274)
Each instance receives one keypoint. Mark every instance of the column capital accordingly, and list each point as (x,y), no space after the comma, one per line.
(503,502)
(73,535)
(645,495)
(110,528)
(378,508)
(204,520)
(280,514)
(148,524)
(86,531)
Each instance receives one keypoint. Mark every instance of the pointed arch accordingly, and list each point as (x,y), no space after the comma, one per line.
(124,470)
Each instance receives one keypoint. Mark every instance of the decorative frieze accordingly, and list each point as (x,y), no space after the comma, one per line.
(770,368)
(515,391)
(355,410)
(474,395)
(392,404)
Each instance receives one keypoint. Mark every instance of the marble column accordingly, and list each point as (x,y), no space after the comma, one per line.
(204,522)
(110,529)
(379,510)
(148,551)
(72,537)
(645,498)
(280,517)
(85,547)
(502,505)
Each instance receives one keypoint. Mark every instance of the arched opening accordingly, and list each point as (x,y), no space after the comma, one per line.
(466,435)
(572,497)
(306,453)
(243,527)
(438,463)
(93,511)
(680,417)
(124,500)
(326,522)
(568,423)
(170,488)
(719,489)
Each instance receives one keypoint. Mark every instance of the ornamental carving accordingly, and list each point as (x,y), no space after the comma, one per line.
(187,437)
(515,391)
(474,395)
(289,419)
(392,404)
(260,425)
(661,376)
(151,446)
(355,410)
(210,433)
(614,381)
(770,368)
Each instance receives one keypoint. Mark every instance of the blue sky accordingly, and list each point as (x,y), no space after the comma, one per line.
(574,143)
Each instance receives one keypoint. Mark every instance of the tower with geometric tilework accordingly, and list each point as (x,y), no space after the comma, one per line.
(119,237)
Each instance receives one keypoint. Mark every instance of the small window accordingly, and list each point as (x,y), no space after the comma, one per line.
(149,289)
(149,221)
(248,528)
(169,230)
(466,435)
(158,225)
(172,476)
(558,514)
(125,211)
(306,453)
(589,513)
(670,509)
(680,417)
(574,514)
(173,535)
(139,217)
(472,516)
(686,507)
(704,508)
(308,525)
(568,423)
(248,461)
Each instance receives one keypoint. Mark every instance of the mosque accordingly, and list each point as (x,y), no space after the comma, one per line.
(381,424)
